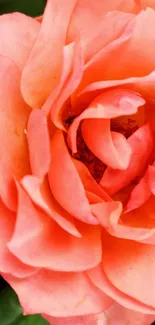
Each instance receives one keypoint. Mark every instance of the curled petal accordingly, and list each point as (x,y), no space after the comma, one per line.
(41,195)
(128,269)
(39,143)
(142,143)
(101,281)
(13,120)
(9,263)
(60,294)
(65,182)
(38,241)
(43,68)
(89,182)
(80,320)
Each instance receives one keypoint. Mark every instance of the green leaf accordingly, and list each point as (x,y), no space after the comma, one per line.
(9,306)
(11,312)
(29,7)
(30,320)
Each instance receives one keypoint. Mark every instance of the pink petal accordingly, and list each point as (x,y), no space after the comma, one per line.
(65,182)
(8,262)
(142,143)
(89,19)
(43,68)
(13,120)
(69,87)
(131,270)
(144,85)
(41,195)
(110,147)
(133,43)
(38,241)
(137,225)
(39,143)
(17,36)
(68,54)
(89,182)
(101,281)
(60,294)
(98,319)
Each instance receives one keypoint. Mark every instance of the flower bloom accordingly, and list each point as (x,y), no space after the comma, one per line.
(77,169)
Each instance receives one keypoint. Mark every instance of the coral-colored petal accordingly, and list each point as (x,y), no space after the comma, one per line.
(41,195)
(144,85)
(38,241)
(141,142)
(65,182)
(80,320)
(68,54)
(137,225)
(89,182)
(60,294)
(39,143)
(111,148)
(140,194)
(89,19)
(13,119)
(17,35)
(43,68)
(128,269)
(71,84)
(143,4)
(130,44)
(8,262)
(101,281)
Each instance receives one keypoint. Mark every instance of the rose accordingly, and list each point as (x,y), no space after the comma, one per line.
(77,228)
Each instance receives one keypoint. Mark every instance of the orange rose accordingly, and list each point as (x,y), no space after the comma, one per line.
(77,170)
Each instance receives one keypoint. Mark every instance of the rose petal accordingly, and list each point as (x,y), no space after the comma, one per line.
(68,54)
(13,119)
(60,294)
(141,142)
(65,182)
(143,4)
(134,42)
(128,269)
(88,19)
(38,241)
(138,225)
(80,320)
(17,35)
(144,85)
(41,73)
(39,143)
(41,195)
(108,105)
(71,84)
(89,182)
(8,262)
(101,281)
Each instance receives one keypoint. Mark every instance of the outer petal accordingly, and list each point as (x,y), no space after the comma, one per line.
(8,262)
(60,294)
(134,42)
(65,182)
(101,281)
(13,120)
(43,68)
(142,143)
(99,319)
(39,143)
(128,269)
(88,16)
(17,35)
(39,241)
